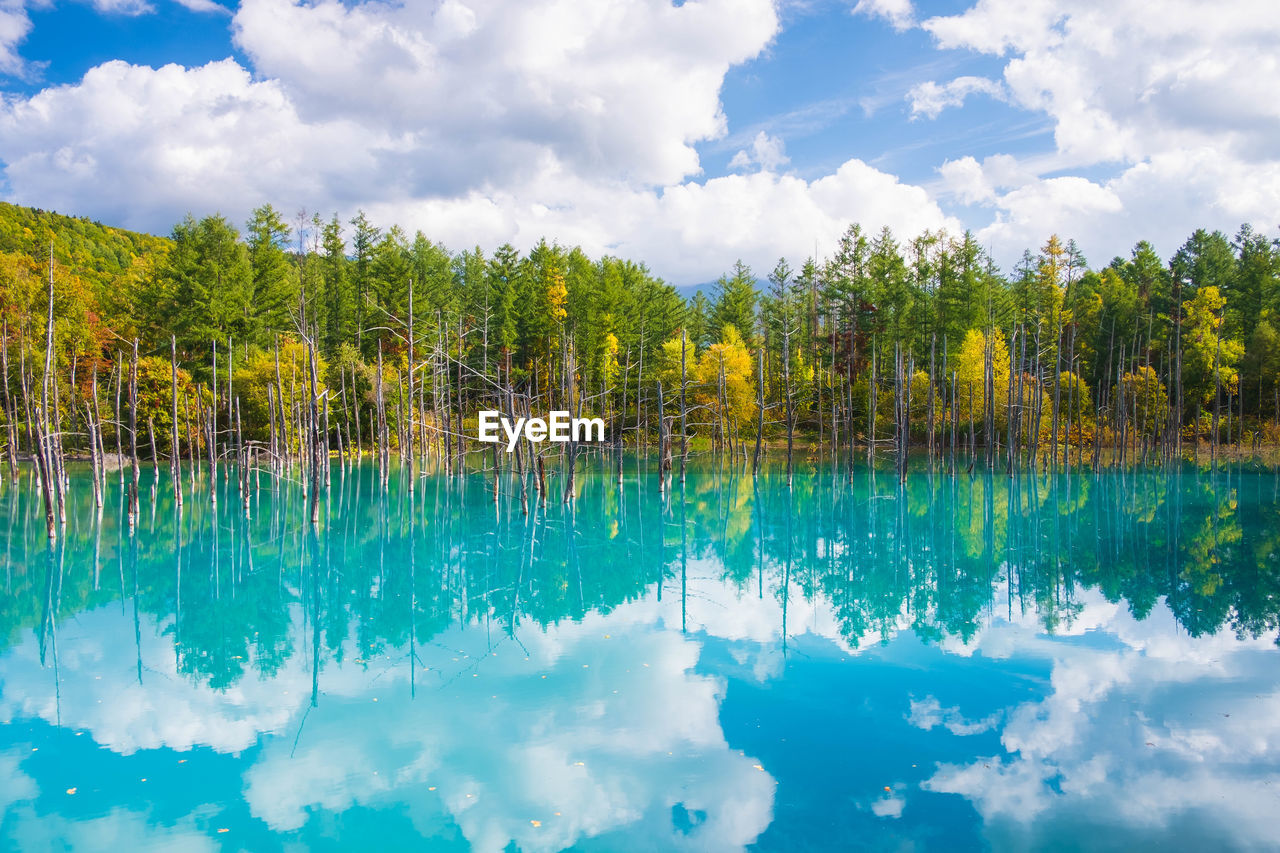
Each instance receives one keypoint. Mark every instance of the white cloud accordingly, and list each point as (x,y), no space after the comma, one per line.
(929,98)
(15,24)
(489,120)
(150,144)
(15,785)
(898,13)
(995,26)
(204,6)
(478,123)
(767,152)
(122,7)
(618,90)
(142,146)
(1173,105)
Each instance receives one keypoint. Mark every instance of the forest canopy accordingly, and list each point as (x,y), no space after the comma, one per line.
(1189,332)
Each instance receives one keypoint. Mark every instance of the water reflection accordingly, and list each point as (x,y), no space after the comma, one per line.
(727,664)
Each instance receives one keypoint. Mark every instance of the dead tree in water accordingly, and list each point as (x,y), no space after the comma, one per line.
(570,480)
(873,395)
(11,428)
(684,407)
(755,462)
(43,457)
(314,439)
(175,458)
(384,459)
(664,449)
(95,462)
(133,435)
(155,455)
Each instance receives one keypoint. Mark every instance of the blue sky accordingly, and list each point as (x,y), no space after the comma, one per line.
(686,136)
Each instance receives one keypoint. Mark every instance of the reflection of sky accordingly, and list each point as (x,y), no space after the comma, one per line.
(1156,735)
(576,732)
(623,732)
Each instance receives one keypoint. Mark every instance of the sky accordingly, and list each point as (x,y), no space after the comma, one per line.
(686,135)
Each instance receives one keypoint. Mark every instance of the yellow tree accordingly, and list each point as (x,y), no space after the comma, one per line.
(970,370)
(1147,399)
(1208,357)
(729,355)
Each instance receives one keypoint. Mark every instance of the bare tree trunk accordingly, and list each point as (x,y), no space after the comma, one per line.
(314,441)
(755,463)
(684,407)
(175,458)
(44,457)
(11,451)
(133,436)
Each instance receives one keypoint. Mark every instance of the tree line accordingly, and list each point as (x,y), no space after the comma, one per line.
(882,343)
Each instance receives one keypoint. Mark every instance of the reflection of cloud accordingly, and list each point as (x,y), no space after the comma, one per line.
(97,690)
(120,829)
(618,734)
(608,730)
(15,786)
(1161,729)
(751,619)
(928,713)
(888,806)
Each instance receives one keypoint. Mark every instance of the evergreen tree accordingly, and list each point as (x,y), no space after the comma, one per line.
(274,294)
(735,303)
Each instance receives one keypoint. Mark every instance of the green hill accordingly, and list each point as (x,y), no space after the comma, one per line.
(97,253)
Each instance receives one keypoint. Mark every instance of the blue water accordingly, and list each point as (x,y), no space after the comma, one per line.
(958,663)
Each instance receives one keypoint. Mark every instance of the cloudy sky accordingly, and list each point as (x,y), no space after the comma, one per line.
(682,134)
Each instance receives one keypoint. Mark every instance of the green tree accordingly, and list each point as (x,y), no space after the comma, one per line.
(735,302)
(274,292)
(340,315)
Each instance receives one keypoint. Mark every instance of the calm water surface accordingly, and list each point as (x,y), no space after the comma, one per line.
(977,662)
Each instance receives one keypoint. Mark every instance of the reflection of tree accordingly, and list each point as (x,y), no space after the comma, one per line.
(243,593)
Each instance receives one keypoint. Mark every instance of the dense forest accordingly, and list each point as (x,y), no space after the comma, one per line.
(366,337)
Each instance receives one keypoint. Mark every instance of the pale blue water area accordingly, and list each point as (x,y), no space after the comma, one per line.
(974,662)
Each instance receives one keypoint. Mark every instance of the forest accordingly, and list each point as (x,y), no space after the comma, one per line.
(294,337)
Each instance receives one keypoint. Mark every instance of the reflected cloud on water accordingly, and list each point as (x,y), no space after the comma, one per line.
(1070,655)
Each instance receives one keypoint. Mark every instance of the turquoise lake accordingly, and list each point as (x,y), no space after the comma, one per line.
(971,662)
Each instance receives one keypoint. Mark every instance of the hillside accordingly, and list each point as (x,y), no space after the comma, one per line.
(97,253)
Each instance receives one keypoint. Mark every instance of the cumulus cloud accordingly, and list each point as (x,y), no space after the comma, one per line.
(122,7)
(618,90)
(204,6)
(929,98)
(483,121)
(1173,105)
(767,152)
(15,24)
(480,122)
(141,146)
(898,13)
(607,755)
